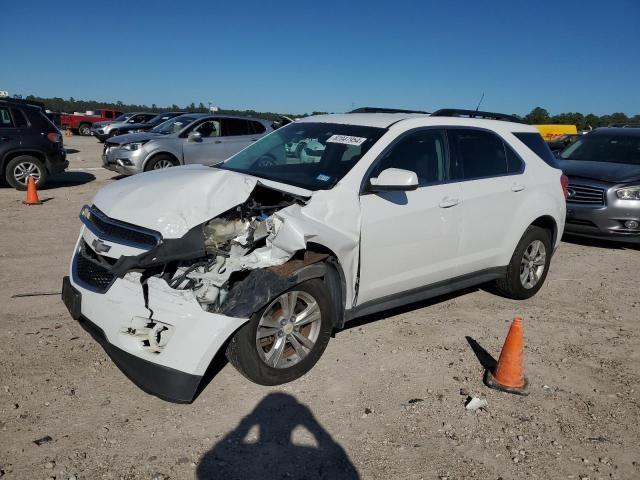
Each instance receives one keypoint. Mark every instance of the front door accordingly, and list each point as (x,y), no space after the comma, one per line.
(410,239)
(209,149)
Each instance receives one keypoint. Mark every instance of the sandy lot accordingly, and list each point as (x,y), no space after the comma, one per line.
(386,401)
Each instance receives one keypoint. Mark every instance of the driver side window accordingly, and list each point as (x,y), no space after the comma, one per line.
(423,152)
(209,129)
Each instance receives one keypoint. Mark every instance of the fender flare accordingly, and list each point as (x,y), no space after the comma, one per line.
(260,286)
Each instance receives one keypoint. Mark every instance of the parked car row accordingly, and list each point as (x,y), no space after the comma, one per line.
(184,139)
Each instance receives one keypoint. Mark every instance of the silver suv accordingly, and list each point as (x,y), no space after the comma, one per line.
(191,138)
(110,128)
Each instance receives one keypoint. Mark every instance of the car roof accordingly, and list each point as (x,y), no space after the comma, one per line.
(623,132)
(380,120)
(386,120)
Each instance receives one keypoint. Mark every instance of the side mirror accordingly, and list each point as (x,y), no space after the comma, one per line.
(194,137)
(131,120)
(394,179)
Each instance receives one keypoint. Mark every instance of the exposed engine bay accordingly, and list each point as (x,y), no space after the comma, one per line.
(236,241)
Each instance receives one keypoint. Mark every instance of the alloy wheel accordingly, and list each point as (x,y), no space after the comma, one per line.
(23,170)
(160,164)
(533,264)
(288,329)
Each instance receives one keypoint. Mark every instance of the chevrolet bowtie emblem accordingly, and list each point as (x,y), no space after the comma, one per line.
(99,246)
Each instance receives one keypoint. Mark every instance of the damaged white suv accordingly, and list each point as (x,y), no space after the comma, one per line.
(263,256)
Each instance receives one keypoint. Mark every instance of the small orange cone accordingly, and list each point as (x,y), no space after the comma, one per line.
(508,375)
(32,193)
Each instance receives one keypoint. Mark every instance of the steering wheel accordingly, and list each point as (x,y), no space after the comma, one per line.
(266,160)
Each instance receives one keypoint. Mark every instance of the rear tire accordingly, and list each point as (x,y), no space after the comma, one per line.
(529,265)
(84,129)
(160,162)
(256,358)
(19,168)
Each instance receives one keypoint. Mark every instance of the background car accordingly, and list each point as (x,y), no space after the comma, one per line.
(604,184)
(563,141)
(30,145)
(192,138)
(149,124)
(104,130)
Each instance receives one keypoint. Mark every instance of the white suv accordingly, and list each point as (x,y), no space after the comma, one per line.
(263,256)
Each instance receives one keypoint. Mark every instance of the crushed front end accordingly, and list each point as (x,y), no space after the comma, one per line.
(163,307)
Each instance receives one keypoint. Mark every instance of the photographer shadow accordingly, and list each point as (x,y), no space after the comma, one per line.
(261,446)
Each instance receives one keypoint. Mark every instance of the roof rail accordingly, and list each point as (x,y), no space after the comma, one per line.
(383,110)
(33,103)
(456,112)
(624,125)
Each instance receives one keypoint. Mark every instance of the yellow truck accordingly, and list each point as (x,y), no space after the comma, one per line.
(550,132)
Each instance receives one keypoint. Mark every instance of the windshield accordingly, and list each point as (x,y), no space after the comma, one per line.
(174,125)
(122,118)
(160,118)
(314,156)
(605,148)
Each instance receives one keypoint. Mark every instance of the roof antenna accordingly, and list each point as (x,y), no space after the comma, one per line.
(481,98)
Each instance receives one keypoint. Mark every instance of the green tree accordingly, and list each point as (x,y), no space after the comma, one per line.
(537,116)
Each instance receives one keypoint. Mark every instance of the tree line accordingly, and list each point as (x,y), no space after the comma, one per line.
(538,115)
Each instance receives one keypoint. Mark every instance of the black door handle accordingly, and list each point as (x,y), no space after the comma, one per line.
(218,141)
(5,139)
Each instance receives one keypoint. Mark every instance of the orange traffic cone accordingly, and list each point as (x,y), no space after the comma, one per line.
(32,193)
(508,375)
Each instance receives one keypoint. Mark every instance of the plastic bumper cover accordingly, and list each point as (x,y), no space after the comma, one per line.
(173,372)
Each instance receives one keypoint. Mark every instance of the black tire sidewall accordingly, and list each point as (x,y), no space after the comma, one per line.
(247,360)
(11,180)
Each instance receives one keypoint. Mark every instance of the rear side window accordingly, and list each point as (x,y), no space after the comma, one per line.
(19,118)
(480,154)
(5,118)
(257,127)
(233,126)
(538,146)
(108,114)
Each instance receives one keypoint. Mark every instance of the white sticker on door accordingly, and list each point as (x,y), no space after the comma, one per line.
(346,140)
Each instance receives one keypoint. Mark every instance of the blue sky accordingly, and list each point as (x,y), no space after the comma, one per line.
(300,56)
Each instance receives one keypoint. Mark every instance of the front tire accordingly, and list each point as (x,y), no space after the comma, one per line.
(160,162)
(529,265)
(21,167)
(285,339)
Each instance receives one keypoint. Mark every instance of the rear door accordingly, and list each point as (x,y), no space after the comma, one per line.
(493,186)
(9,131)
(237,134)
(210,148)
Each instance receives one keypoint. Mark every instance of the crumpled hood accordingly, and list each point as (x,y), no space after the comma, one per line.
(604,171)
(174,200)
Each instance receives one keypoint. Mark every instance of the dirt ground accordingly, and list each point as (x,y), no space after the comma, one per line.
(386,400)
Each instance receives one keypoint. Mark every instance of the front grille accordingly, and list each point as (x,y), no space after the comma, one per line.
(586,195)
(120,232)
(90,272)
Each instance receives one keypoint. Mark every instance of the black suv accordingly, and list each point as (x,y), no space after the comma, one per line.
(30,145)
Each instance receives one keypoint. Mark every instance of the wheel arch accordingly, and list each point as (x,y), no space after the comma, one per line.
(155,153)
(548,223)
(16,153)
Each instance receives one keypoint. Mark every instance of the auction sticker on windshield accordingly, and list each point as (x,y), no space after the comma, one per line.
(346,140)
